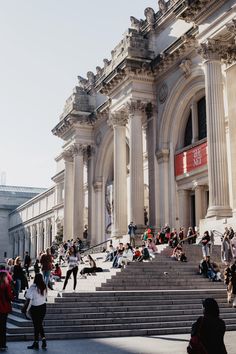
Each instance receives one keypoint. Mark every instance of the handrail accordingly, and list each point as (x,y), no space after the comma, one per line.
(187,238)
(99,244)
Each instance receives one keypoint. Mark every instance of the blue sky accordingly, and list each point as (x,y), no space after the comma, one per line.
(45,44)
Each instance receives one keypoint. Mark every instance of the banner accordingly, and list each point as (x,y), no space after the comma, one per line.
(191,159)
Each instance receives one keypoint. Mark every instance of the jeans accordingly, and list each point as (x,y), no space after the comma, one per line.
(68,274)
(46,276)
(3,326)
(38,313)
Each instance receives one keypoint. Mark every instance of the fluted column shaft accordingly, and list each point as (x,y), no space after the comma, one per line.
(68,197)
(136,165)
(33,242)
(78,200)
(217,153)
(91,210)
(199,209)
(184,208)
(119,121)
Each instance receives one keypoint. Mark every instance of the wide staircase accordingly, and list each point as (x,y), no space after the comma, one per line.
(159,297)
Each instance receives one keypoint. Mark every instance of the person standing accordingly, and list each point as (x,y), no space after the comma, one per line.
(46,261)
(27,263)
(6,296)
(209,329)
(226,250)
(131,232)
(18,277)
(205,241)
(36,296)
(72,259)
(233,246)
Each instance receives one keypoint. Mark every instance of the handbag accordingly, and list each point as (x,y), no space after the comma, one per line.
(25,309)
(195,345)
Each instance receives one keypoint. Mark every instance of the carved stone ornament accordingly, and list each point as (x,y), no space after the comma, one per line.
(150,16)
(186,67)
(91,78)
(162,6)
(118,118)
(82,82)
(135,105)
(98,138)
(162,155)
(163,93)
(136,24)
(210,50)
(217,50)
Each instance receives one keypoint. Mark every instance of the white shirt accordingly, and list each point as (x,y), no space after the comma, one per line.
(35,296)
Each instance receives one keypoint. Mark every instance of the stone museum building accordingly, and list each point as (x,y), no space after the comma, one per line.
(154,127)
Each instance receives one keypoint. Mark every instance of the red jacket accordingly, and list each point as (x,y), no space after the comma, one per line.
(6,296)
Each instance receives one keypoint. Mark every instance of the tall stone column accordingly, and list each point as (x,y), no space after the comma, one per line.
(78,197)
(118,121)
(68,196)
(33,239)
(37,226)
(151,113)
(27,240)
(91,210)
(100,212)
(21,243)
(184,208)
(199,208)
(163,162)
(16,244)
(136,112)
(216,138)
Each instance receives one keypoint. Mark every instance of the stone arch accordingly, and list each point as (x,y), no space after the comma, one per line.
(175,111)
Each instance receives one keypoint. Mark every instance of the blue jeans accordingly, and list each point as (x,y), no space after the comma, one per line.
(46,276)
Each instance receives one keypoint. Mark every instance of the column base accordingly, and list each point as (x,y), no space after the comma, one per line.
(219,212)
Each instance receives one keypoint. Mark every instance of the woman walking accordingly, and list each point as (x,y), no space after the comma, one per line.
(208,331)
(6,296)
(36,295)
(72,259)
(18,277)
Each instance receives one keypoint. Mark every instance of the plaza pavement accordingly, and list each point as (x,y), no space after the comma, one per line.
(170,344)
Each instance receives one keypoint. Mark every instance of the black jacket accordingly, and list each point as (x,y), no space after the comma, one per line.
(212,330)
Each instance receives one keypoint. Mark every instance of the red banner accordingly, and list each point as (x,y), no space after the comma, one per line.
(191,159)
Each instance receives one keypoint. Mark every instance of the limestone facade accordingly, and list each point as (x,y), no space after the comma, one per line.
(154,127)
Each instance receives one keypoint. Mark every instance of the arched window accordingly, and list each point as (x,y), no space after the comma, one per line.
(200,115)
(202,126)
(188,132)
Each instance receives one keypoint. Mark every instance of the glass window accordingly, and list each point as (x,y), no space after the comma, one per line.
(202,126)
(188,132)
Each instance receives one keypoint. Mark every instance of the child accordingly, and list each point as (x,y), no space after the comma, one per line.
(137,253)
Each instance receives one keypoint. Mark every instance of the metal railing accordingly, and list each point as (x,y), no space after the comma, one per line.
(95,246)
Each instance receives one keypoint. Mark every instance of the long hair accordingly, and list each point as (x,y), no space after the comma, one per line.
(39,282)
(211,308)
(3,278)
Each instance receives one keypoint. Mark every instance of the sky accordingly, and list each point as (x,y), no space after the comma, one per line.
(45,45)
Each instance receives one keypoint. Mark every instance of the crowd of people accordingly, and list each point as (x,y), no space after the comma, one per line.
(15,274)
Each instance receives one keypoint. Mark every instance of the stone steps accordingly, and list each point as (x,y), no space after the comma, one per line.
(150,305)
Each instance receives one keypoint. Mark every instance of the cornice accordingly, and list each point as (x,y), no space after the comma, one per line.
(175,54)
(197,10)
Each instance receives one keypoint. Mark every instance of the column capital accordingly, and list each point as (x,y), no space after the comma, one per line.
(118,118)
(134,105)
(216,50)
(163,155)
(79,149)
(210,50)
